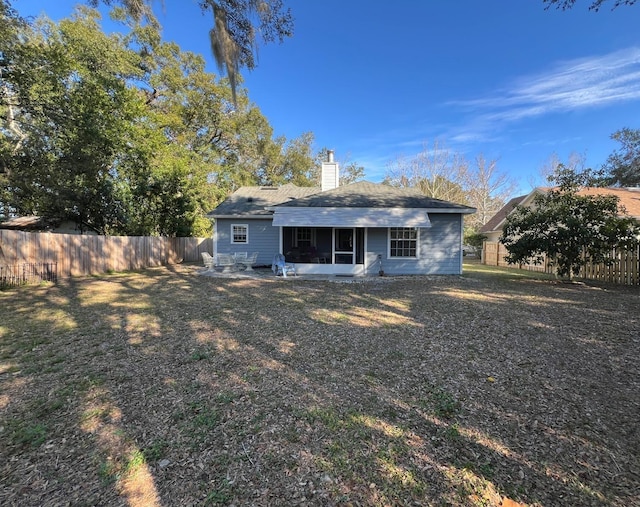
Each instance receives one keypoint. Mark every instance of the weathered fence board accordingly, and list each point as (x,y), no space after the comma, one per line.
(624,269)
(85,255)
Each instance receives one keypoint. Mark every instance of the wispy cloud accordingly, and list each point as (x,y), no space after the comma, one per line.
(570,85)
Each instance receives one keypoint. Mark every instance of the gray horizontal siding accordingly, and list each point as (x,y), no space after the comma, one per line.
(263,238)
(440,251)
(439,245)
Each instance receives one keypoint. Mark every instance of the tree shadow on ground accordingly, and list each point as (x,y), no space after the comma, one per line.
(160,386)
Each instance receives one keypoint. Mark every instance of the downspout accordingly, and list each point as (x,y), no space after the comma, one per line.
(215,238)
(460,250)
(365,266)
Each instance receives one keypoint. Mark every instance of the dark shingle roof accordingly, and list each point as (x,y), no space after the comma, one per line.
(254,200)
(497,219)
(364,194)
(29,223)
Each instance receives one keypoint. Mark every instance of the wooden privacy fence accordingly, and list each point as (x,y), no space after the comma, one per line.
(624,268)
(85,255)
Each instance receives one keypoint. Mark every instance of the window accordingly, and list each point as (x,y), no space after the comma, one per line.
(304,236)
(403,242)
(239,233)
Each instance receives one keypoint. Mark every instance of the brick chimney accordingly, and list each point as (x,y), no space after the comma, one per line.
(330,178)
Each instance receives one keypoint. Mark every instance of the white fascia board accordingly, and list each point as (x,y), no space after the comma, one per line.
(242,217)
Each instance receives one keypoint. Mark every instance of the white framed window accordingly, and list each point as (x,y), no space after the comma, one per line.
(403,242)
(304,236)
(239,234)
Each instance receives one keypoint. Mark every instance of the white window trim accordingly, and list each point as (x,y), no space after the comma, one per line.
(417,240)
(233,242)
(312,236)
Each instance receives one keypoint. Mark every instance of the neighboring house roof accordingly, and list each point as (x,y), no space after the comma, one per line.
(495,223)
(365,194)
(33,223)
(255,200)
(28,223)
(629,199)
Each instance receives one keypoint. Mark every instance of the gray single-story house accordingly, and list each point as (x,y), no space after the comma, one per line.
(355,229)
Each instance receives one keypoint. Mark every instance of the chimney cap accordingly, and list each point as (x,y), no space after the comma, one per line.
(329,155)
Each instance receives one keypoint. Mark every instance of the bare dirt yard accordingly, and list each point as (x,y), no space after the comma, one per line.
(165,388)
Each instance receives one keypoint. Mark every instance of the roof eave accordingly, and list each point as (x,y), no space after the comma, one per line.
(246,216)
(462,211)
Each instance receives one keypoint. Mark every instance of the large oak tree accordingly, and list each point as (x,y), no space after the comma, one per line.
(123,133)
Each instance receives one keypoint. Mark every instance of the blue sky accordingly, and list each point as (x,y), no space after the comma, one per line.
(375,80)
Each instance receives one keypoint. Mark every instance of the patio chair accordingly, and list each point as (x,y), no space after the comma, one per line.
(208,260)
(280,267)
(226,261)
(249,261)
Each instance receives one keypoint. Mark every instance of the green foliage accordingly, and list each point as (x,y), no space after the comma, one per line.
(475,240)
(199,355)
(441,403)
(595,4)
(134,461)
(235,26)
(203,417)
(221,495)
(108,472)
(283,161)
(569,228)
(623,166)
(24,433)
(71,111)
(350,172)
(126,134)
(452,432)
(445,404)
(155,451)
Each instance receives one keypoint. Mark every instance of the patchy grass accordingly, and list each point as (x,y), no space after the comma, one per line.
(477,270)
(166,388)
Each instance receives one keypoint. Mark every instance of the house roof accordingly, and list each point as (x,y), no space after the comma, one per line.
(629,199)
(496,221)
(28,223)
(33,223)
(365,194)
(255,200)
(261,201)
